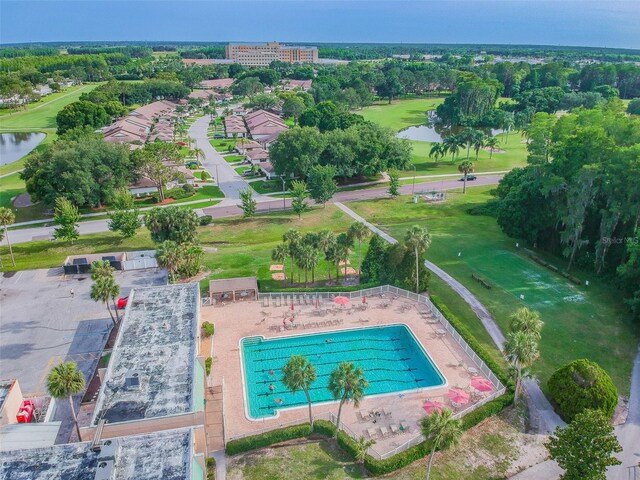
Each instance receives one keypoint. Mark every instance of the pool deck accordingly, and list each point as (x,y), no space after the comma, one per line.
(235,321)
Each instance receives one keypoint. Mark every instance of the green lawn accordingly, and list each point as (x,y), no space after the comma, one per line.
(308,459)
(12,186)
(267,186)
(514,155)
(243,253)
(405,113)
(579,322)
(401,113)
(43,115)
(203,193)
(222,144)
(234,158)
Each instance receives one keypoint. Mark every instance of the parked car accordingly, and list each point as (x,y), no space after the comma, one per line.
(470,178)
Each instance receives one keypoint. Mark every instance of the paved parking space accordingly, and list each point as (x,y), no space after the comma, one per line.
(42,324)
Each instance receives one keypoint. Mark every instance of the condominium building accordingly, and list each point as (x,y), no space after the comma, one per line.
(262,54)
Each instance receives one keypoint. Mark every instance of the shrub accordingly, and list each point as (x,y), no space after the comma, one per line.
(487,410)
(324,427)
(268,438)
(211,468)
(205,220)
(581,385)
(207,329)
(207,365)
(347,444)
(396,462)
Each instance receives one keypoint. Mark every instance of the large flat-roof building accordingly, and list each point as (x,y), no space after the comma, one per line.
(170,455)
(262,54)
(156,377)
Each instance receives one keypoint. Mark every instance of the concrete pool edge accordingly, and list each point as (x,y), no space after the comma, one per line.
(445,381)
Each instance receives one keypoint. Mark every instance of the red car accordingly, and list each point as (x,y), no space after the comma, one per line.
(122,302)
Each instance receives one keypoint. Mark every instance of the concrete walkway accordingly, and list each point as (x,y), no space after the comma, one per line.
(370,226)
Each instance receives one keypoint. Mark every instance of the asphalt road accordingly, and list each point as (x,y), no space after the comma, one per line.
(265,204)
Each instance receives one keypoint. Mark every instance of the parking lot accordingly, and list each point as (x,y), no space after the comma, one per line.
(42,324)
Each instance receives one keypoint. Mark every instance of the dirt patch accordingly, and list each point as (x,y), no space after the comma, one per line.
(278,276)
(276,268)
(494,150)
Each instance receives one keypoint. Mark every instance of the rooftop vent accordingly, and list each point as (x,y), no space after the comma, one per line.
(104,470)
(132,380)
(108,449)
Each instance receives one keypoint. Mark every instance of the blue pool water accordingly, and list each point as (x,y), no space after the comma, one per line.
(391,357)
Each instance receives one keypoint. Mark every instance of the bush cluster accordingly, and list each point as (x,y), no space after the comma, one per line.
(207,329)
(207,365)
(268,438)
(205,220)
(582,385)
(324,427)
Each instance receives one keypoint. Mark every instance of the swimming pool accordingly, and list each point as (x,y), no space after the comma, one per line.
(392,359)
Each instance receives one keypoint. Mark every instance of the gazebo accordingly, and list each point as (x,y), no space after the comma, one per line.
(232,289)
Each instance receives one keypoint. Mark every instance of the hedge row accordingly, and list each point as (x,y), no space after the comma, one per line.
(337,288)
(472,342)
(481,281)
(268,438)
(324,427)
(347,443)
(550,266)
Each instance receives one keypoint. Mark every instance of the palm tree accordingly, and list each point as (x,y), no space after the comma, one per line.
(442,431)
(7,217)
(452,145)
(438,150)
(492,143)
(359,231)
(105,289)
(101,268)
(299,374)
(326,243)
(307,260)
(64,381)
(527,321)
(343,247)
(418,239)
(479,141)
(468,135)
(521,350)
(465,167)
(361,446)
(347,384)
(292,238)
(169,257)
(279,254)
(199,153)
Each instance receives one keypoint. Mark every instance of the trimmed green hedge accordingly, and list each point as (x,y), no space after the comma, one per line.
(324,427)
(580,385)
(473,343)
(268,438)
(347,443)
(487,410)
(401,460)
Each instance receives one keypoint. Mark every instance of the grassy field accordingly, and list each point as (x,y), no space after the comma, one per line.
(405,113)
(401,113)
(243,253)
(222,144)
(12,186)
(267,186)
(43,114)
(579,322)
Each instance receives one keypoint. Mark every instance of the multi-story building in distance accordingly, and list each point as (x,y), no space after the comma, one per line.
(262,54)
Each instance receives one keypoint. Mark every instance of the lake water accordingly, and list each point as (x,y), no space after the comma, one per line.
(435,132)
(14,146)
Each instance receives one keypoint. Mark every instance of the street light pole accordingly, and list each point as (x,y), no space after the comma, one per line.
(413,187)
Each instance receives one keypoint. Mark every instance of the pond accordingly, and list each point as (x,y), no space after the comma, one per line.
(435,132)
(14,146)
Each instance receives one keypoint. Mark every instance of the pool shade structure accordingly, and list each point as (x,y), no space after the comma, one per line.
(431,406)
(233,289)
(481,384)
(339,300)
(459,396)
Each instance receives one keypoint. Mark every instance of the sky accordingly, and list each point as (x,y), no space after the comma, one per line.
(599,23)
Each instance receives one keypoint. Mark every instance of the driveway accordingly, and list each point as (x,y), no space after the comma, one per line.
(226,177)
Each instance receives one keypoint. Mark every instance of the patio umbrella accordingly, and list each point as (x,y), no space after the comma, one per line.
(317,302)
(284,322)
(341,300)
(291,319)
(293,307)
(481,384)
(459,396)
(432,406)
(364,299)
